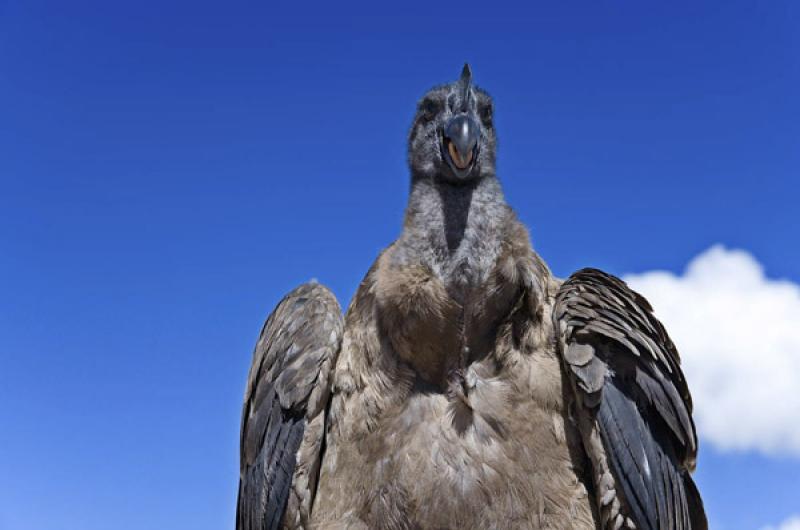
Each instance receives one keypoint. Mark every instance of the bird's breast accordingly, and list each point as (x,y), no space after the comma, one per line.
(439,327)
(500,460)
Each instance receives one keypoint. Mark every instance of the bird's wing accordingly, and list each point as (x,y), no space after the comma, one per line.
(633,404)
(283,419)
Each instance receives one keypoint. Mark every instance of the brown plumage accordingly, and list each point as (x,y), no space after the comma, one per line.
(466,387)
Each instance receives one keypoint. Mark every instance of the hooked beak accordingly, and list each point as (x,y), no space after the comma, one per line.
(461,135)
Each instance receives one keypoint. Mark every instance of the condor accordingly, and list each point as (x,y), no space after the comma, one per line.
(466,387)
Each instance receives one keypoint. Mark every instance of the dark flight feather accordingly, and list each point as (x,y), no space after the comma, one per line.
(292,359)
(627,372)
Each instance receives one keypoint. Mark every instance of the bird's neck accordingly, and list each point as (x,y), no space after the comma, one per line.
(456,230)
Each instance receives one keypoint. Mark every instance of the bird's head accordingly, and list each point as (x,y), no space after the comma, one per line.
(452,138)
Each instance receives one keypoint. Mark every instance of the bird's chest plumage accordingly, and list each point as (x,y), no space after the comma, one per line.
(438,321)
(448,407)
(500,460)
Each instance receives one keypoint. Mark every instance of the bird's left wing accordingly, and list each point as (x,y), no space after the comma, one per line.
(633,405)
(283,419)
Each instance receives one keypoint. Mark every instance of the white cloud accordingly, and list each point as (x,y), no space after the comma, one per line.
(793,523)
(738,333)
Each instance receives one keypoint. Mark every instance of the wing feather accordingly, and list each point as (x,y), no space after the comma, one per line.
(287,389)
(631,391)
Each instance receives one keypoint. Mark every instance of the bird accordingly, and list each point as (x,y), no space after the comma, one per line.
(466,386)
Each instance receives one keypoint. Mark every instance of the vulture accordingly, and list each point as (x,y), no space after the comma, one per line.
(466,386)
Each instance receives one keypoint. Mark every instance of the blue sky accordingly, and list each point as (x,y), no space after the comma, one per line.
(169,169)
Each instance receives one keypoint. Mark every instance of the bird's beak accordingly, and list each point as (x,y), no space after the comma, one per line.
(461,135)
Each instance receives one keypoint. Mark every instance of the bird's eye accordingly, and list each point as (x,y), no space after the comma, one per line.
(485,113)
(428,109)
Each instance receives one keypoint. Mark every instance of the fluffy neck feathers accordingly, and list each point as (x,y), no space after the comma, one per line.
(455,230)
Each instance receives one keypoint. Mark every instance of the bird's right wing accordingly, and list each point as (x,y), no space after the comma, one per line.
(283,419)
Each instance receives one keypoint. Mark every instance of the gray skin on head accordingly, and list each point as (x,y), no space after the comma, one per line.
(427,151)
